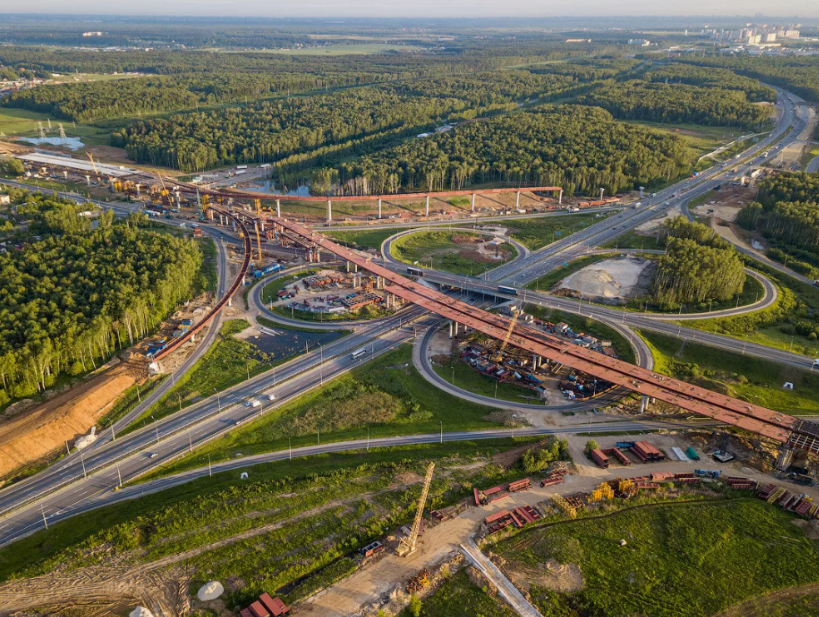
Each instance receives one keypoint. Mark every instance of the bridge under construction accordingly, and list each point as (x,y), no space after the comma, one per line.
(785,429)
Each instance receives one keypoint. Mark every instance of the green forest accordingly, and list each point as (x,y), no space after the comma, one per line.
(698,265)
(787,214)
(677,103)
(76,295)
(578,148)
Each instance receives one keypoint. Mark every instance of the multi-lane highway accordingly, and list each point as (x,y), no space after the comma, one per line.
(64,490)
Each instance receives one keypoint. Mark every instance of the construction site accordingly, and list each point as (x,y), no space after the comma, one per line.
(332,294)
(548,380)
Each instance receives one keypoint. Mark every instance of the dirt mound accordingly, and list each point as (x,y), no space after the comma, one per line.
(609,279)
(35,433)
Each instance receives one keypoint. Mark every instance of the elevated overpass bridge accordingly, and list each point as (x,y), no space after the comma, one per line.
(779,427)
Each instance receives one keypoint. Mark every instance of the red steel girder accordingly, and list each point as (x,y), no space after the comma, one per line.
(692,398)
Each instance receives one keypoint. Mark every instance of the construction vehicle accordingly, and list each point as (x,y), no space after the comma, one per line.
(498,357)
(407,546)
(93,164)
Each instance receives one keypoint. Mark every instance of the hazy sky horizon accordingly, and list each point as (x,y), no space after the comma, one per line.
(419,8)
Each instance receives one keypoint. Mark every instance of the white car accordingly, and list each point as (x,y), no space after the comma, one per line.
(271,397)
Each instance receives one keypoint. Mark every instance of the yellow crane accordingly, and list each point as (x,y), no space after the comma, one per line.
(93,164)
(258,224)
(498,357)
(407,545)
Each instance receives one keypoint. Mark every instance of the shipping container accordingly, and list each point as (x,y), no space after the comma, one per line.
(600,458)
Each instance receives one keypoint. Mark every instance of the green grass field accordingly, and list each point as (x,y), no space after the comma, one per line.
(680,559)
(229,362)
(386,396)
(471,380)
(537,233)
(308,515)
(369,239)
(775,326)
(751,379)
(23,123)
(438,250)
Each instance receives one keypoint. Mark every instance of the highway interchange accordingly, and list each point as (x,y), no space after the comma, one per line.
(75,484)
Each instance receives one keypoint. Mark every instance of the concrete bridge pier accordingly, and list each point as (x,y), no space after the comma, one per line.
(517,200)
(329,211)
(278,208)
(473,202)
(379,207)
(426,212)
(560,198)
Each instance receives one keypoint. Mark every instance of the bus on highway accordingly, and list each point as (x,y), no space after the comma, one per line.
(359,352)
(507,290)
(415,272)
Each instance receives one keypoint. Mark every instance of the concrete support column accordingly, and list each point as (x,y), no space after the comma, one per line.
(450,329)
(318,255)
(210,214)
(230,301)
(642,188)
(534,361)
(426,212)
(560,198)
(261,221)
(137,189)
(278,208)
(379,207)
(88,180)
(517,200)
(356,267)
(644,404)
(456,329)
(348,266)
(473,202)
(602,190)
(329,211)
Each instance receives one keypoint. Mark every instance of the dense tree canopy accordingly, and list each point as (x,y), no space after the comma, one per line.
(362,119)
(787,214)
(71,298)
(698,266)
(578,148)
(711,77)
(678,102)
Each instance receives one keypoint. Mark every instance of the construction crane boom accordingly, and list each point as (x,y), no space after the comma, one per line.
(498,357)
(93,164)
(407,545)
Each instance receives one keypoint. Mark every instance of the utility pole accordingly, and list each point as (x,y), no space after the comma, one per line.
(119,477)
(45,522)
(82,460)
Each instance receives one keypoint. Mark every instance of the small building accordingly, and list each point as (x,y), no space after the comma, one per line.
(5,200)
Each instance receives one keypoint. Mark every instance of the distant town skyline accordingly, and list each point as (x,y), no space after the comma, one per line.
(419,8)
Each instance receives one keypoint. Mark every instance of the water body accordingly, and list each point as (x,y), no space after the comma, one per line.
(287,343)
(267,186)
(72,143)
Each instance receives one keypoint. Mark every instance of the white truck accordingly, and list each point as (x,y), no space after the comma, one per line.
(253,403)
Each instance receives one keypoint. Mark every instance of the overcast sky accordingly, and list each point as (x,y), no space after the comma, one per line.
(415,8)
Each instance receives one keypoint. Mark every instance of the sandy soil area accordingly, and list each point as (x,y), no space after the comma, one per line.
(43,429)
(611,278)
